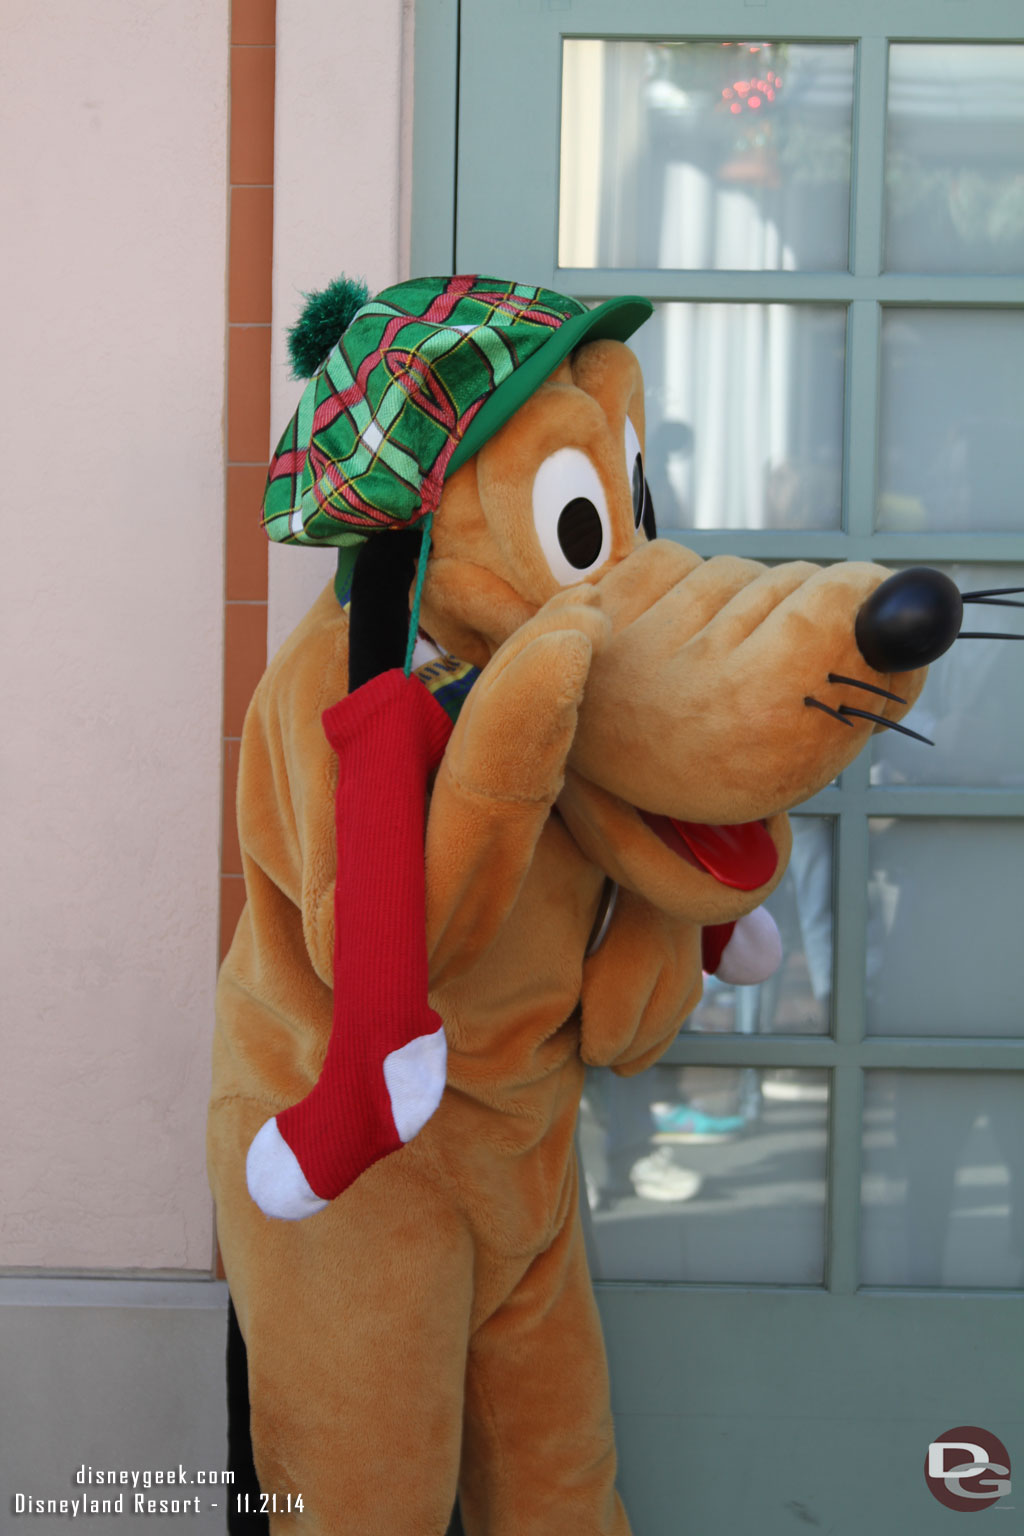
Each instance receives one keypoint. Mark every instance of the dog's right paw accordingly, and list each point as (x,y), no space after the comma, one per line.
(515,731)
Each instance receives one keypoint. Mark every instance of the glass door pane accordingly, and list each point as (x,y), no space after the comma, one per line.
(954,152)
(709,155)
(943,1185)
(707,1174)
(951,453)
(944,952)
(744,414)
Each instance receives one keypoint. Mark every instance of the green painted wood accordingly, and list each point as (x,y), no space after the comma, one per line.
(883,1052)
(435,136)
(889,1052)
(916,802)
(868,171)
(889,548)
(851,907)
(906,290)
(842,1213)
(860,457)
(783,1411)
(785,20)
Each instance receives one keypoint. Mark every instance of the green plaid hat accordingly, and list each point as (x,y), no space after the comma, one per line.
(423,375)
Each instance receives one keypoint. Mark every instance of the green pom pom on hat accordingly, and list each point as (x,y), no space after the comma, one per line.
(420,378)
(326,315)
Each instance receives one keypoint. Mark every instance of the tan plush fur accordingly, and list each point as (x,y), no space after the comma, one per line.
(435,1325)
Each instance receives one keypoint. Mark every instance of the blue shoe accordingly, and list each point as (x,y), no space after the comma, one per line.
(680,1122)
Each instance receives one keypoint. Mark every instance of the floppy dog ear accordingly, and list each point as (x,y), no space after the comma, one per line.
(379,615)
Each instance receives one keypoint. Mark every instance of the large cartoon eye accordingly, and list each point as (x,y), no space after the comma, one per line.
(570,514)
(635,472)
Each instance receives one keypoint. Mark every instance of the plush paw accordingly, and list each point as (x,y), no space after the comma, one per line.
(276,1182)
(415,1078)
(517,726)
(753,953)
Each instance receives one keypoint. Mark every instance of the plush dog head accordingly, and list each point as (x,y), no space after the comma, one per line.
(726,694)
(513,419)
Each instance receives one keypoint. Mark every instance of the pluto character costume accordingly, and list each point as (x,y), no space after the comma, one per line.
(416,988)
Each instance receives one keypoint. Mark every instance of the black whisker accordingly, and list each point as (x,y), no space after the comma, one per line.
(986,634)
(990,592)
(995,602)
(817,704)
(904,730)
(836,677)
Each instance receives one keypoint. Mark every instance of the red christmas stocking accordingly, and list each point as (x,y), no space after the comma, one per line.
(384,1072)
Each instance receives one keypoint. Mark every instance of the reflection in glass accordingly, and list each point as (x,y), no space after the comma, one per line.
(954,151)
(744,410)
(972,705)
(797,999)
(705,155)
(951,453)
(944,952)
(706,1174)
(943,1183)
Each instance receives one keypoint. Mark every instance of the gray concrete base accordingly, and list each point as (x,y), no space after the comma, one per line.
(109,1377)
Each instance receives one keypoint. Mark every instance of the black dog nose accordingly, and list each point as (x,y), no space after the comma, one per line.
(909,620)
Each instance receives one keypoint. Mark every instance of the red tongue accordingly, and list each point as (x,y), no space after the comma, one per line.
(743,856)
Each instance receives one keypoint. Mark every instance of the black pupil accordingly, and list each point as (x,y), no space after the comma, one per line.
(638,490)
(580,533)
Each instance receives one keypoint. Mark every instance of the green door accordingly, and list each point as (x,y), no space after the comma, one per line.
(807,1226)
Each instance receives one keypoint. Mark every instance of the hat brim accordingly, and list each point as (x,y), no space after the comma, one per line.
(615,320)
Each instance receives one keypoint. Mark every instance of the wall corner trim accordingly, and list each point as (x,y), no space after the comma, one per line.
(72,1291)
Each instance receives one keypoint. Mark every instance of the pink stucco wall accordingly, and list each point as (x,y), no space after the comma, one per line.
(352,91)
(114,121)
